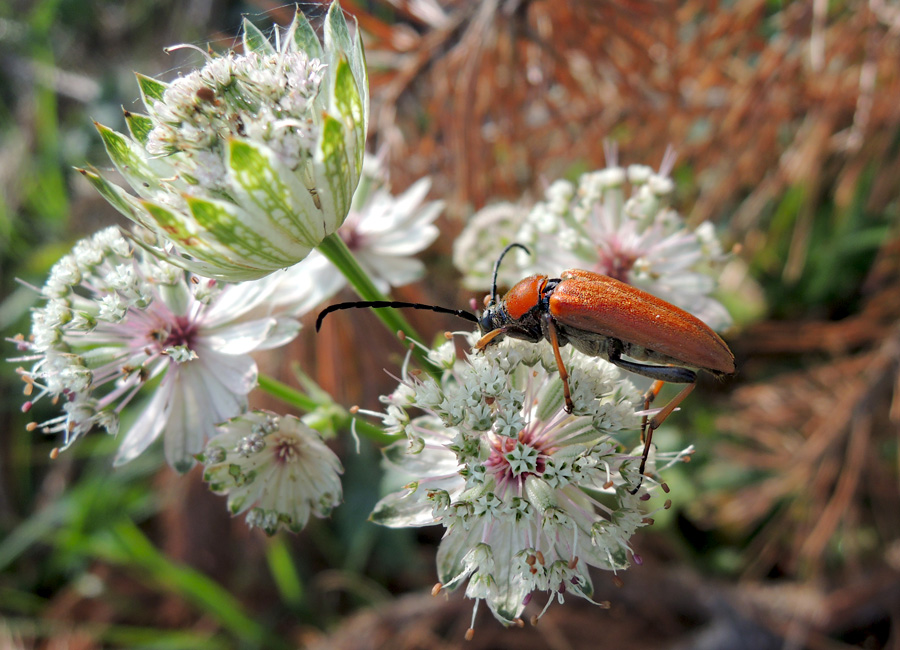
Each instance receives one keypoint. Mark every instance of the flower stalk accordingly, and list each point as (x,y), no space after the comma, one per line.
(336,251)
(339,418)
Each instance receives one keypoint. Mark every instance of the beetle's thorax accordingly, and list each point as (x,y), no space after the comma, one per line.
(519,312)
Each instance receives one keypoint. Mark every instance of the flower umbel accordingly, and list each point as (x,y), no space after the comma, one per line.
(248,163)
(530,495)
(274,466)
(615,222)
(118,320)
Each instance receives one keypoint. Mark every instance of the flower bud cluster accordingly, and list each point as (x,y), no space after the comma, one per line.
(265,97)
(244,166)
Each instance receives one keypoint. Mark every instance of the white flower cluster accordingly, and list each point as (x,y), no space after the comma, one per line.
(117,319)
(275,468)
(530,495)
(615,222)
(266,97)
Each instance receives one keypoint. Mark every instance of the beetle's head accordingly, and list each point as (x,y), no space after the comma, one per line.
(493,317)
(488,319)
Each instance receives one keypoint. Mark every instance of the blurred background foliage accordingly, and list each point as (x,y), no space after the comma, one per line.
(785,530)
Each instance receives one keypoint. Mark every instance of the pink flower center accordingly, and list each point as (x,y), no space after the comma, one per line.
(512,460)
(183,331)
(285,448)
(615,262)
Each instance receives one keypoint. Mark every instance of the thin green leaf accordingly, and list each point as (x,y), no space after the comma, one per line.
(284,572)
(128,546)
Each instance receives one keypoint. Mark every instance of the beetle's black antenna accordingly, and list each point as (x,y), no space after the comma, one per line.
(382,304)
(497,268)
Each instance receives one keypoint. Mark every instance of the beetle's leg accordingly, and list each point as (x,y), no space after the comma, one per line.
(649,396)
(563,373)
(657,420)
(662,374)
(668,374)
(485,340)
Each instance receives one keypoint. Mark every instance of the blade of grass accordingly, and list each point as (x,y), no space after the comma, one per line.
(284,573)
(118,636)
(127,546)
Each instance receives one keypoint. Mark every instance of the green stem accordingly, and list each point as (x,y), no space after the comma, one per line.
(334,248)
(287,394)
(307,404)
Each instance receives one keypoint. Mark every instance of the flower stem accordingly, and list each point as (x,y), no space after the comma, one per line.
(334,248)
(340,418)
(287,394)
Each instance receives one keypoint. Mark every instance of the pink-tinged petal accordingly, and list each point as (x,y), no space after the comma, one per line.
(229,376)
(238,299)
(198,404)
(148,425)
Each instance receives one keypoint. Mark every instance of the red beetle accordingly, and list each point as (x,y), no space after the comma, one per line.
(601,317)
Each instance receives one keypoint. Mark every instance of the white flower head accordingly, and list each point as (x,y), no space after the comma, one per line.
(118,323)
(615,222)
(275,468)
(248,163)
(530,495)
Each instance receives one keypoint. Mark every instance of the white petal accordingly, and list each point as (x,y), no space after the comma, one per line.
(149,423)
(240,338)
(307,284)
(395,271)
(285,331)
(405,240)
(238,299)
(236,374)
(403,508)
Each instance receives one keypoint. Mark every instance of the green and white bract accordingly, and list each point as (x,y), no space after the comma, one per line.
(247,164)
(530,495)
(383,231)
(119,323)
(275,468)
